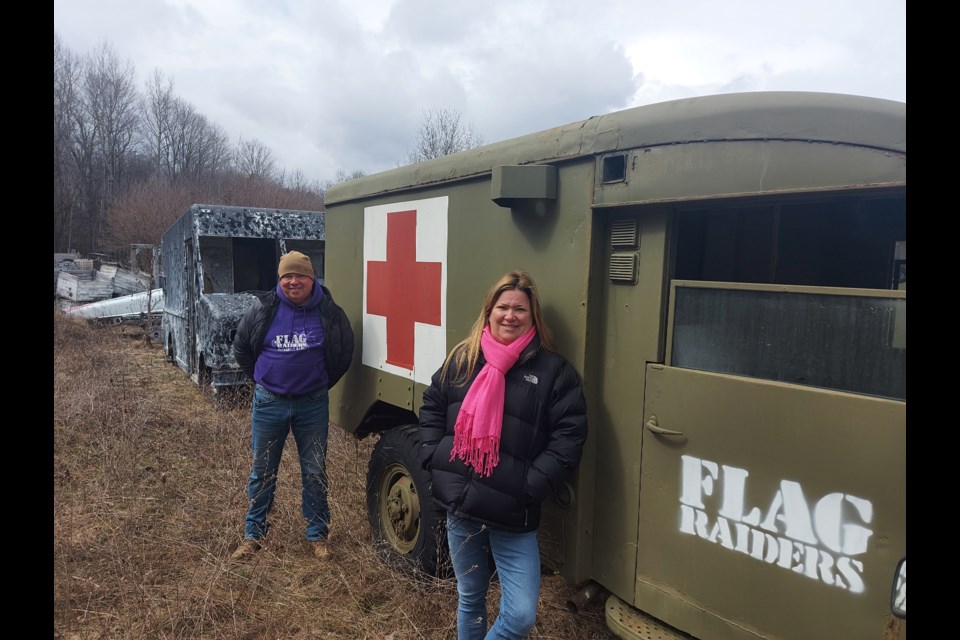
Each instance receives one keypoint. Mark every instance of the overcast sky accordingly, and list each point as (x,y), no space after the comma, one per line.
(342,84)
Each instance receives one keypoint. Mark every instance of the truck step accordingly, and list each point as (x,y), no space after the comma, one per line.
(632,624)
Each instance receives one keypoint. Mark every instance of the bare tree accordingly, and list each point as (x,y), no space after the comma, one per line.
(184,145)
(96,129)
(342,176)
(84,162)
(112,108)
(254,159)
(66,104)
(440,133)
(215,155)
(115,106)
(296,181)
(75,140)
(158,114)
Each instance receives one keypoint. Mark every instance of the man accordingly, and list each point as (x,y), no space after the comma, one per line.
(294,343)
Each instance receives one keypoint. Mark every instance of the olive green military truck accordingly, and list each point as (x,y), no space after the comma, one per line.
(728,274)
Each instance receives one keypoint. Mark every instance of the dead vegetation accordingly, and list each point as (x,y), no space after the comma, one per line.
(148,498)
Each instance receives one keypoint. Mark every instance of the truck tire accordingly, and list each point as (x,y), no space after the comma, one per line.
(409,530)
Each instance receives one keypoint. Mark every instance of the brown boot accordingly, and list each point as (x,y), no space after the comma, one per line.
(246,549)
(322,550)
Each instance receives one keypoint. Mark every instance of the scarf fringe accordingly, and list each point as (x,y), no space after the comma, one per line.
(481,453)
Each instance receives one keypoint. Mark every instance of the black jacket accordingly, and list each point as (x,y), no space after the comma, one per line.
(544,428)
(337,333)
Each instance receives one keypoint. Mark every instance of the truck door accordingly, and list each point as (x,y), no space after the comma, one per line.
(772,460)
(775,508)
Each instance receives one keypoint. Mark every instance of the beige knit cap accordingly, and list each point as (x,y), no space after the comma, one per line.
(295,262)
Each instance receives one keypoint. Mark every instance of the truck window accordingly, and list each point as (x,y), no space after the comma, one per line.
(216,260)
(232,265)
(806,293)
(255,264)
(852,342)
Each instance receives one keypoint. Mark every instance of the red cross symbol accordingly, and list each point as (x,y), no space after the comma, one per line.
(403,290)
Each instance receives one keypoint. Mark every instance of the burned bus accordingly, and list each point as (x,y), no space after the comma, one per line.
(214,260)
(728,275)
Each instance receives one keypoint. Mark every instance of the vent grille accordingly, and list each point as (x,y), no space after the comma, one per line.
(623,235)
(623,268)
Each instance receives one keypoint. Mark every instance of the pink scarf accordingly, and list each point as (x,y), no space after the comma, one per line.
(476,437)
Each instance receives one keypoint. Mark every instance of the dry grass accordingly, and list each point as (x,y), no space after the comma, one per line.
(149,499)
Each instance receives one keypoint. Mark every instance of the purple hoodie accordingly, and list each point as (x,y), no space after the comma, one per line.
(292,360)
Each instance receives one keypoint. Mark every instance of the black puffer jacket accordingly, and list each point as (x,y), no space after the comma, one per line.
(544,428)
(337,334)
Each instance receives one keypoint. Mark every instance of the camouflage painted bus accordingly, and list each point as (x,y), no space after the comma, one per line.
(728,274)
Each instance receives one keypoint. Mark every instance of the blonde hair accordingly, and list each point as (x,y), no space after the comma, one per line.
(464,356)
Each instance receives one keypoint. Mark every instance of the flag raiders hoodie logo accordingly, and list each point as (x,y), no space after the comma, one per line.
(295,342)
(405,287)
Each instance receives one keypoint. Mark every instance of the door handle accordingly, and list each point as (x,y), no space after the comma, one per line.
(653,426)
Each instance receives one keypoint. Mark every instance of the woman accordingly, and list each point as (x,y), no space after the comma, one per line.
(502,425)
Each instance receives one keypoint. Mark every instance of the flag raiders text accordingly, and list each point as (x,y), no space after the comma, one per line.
(819,540)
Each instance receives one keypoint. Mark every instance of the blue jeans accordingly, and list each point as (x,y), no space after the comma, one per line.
(517,560)
(273,417)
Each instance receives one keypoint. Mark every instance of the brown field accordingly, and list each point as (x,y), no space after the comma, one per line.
(149,499)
